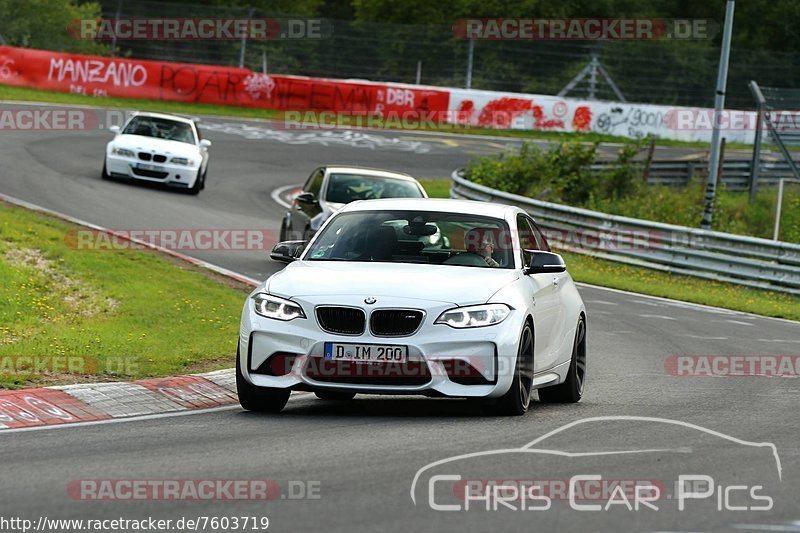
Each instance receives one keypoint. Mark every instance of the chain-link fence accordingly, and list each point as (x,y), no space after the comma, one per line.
(666,72)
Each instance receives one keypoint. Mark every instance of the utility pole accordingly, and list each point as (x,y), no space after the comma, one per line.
(470,53)
(719,105)
(755,162)
(116,27)
(244,40)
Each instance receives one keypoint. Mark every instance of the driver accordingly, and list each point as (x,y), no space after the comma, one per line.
(485,251)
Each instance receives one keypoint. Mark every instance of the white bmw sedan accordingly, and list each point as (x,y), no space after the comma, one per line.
(371,306)
(158,148)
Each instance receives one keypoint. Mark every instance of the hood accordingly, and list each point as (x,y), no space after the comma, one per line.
(151,144)
(440,283)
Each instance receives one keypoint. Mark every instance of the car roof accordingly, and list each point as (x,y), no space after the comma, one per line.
(367,171)
(176,118)
(445,205)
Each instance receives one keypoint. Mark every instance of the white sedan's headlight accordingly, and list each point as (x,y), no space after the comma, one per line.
(182,161)
(270,306)
(122,151)
(475,316)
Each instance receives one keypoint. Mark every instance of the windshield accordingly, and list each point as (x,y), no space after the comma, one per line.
(160,128)
(346,188)
(428,237)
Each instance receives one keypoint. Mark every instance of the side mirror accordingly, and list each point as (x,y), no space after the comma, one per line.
(544,262)
(114,129)
(306,198)
(287,251)
(205,143)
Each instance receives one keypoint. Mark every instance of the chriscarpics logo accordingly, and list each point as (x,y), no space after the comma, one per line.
(605,469)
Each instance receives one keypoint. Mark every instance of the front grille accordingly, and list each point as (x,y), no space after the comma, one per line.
(144,156)
(150,173)
(409,373)
(341,320)
(394,322)
(159,158)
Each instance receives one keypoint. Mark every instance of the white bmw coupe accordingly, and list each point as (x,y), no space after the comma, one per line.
(371,305)
(158,148)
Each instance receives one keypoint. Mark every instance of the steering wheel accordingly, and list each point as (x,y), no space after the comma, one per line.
(466,259)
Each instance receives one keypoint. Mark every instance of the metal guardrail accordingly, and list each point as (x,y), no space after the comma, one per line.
(735,173)
(714,255)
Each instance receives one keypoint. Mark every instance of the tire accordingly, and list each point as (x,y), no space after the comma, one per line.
(203,183)
(198,184)
(571,390)
(105,175)
(334,396)
(515,402)
(259,399)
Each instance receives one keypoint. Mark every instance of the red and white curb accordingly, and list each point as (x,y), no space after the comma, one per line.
(66,404)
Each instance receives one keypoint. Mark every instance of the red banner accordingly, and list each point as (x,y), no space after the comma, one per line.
(184,82)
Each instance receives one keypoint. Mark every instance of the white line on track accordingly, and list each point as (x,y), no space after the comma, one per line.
(276,195)
(678,303)
(155,416)
(660,317)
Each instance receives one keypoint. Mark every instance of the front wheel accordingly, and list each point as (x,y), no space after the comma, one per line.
(571,390)
(105,175)
(199,183)
(259,399)
(515,402)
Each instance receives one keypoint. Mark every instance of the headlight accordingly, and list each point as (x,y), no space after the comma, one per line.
(123,152)
(182,161)
(475,316)
(278,308)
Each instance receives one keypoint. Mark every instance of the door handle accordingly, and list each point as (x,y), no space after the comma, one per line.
(556,281)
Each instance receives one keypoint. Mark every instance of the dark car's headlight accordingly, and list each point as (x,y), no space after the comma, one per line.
(270,306)
(474,316)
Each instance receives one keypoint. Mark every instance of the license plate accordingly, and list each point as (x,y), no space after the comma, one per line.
(366,353)
(154,168)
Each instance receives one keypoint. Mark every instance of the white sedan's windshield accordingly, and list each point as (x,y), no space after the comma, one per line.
(160,128)
(415,237)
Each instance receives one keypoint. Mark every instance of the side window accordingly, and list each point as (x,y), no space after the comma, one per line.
(540,239)
(314,183)
(527,237)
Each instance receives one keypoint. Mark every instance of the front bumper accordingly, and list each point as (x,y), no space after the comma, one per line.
(475,362)
(167,173)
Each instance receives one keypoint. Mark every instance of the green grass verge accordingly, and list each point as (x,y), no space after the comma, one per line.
(36,95)
(122,314)
(436,188)
(605,273)
(686,288)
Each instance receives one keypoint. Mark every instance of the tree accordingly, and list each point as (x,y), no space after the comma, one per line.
(45,24)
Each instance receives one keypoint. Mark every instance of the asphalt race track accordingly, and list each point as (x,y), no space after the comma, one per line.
(363,456)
